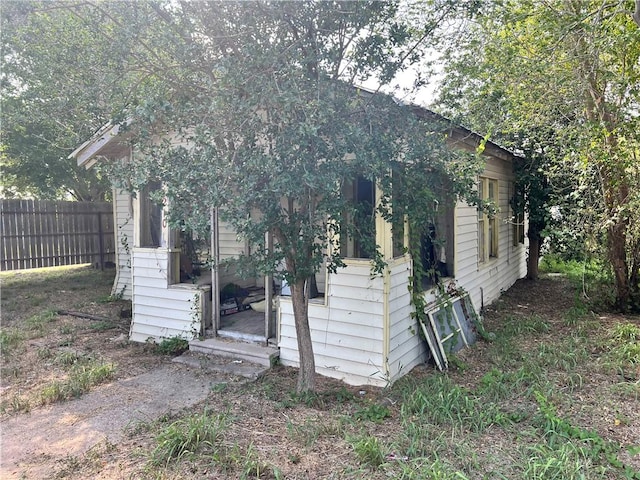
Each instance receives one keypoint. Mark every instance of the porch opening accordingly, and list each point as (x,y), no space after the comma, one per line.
(359,237)
(436,248)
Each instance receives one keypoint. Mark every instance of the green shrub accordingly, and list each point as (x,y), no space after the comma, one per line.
(173,346)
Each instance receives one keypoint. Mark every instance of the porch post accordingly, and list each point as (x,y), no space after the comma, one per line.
(384,235)
(269,319)
(384,238)
(215,280)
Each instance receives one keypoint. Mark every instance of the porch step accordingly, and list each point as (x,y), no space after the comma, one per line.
(221,365)
(248,352)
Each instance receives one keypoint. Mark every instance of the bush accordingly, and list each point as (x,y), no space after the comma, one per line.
(173,346)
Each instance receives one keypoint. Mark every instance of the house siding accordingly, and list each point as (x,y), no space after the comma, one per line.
(347,331)
(160,310)
(229,247)
(486,281)
(229,244)
(406,347)
(123,217)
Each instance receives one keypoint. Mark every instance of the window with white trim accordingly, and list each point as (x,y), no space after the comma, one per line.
(487,219)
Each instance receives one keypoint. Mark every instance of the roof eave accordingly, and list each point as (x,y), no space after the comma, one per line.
(87,154)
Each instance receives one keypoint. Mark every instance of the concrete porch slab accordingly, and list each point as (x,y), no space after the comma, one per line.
(221,365)
(252,353)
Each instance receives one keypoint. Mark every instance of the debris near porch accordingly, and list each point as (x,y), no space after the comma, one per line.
(449,326)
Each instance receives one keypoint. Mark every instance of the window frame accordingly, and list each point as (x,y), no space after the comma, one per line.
(356,190)
(488,226)
(151,219)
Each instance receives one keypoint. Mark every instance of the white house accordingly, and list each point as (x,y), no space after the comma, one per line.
(361,325)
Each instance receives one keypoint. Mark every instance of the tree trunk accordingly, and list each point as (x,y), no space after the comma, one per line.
(534,257)
(535,246)
(618,259)
(307,372)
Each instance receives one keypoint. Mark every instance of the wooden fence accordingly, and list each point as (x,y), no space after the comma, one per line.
(38,233)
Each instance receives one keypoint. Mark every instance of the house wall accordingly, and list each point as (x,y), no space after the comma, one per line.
(346,329)
(406,347)
(123,218)
(485,281)
(161,310)
(230,247)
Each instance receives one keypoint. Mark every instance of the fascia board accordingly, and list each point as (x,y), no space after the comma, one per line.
(87,153)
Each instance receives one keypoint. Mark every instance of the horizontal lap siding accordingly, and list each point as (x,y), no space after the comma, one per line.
(347,333)
(485,282)
(159,310)
(406,349)
(122,208)
(229,245)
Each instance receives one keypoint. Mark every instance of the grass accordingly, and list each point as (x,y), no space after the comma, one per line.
(369,451)
(204,435)
(623,353)
(10,340)
(549,393)
(102,325)
(82,375)
(591,278)
(37,322)
(525,405)
(47,357)
(197,434)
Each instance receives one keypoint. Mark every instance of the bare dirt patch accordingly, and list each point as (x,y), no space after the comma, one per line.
(41,346)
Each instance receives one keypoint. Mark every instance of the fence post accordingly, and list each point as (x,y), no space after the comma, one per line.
(100,241)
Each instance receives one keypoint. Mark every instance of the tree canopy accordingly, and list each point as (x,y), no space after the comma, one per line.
(261,119)
(559,80)
(61,80)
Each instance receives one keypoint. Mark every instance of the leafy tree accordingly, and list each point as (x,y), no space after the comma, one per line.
(259,117)
(61,80)
(562,80)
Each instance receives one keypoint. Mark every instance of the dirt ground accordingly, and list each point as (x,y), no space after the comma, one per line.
(48,341)
(614,417)
(305,439)
(53,321)
(31,442)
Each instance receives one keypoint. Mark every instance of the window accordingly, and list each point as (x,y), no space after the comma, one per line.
(360,235)
(518,228)
(487,219)
(398,216)
(437,245)
(150,216)
(194,254)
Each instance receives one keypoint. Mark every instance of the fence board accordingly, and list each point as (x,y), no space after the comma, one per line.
(38,233)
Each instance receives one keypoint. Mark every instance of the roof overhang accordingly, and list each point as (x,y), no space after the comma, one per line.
(106,142)
(458,135)
(109,141)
